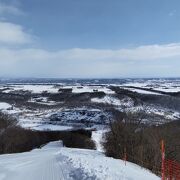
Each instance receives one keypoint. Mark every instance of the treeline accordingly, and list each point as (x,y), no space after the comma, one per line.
(140,143)
(14,139)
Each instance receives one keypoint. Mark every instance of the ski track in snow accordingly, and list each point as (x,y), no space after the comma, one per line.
(42,164)
(54,162)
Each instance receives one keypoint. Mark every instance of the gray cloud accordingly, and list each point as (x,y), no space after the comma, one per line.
(152,60)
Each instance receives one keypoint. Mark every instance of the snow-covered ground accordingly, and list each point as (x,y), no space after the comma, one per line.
(54,89)
(43,100)
(4,106)
(142,91)
(57,118)
(97,137)
(166,85)
(38,110)
(32,88)
(33,119)
(80,117)
(109,99)
(160,85)
(160,115)
(90,88)
(54,162)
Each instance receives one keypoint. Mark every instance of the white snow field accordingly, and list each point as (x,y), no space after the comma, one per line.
(90,88)
(140,91)
(32,88)
(107,100)
(4,106)
(159,85)
(54,89)
(98,138)
(54,162)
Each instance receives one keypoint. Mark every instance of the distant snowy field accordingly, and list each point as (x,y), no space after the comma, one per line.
(164,85)
(39,119)
(160,85)
(54,162)
(54,89)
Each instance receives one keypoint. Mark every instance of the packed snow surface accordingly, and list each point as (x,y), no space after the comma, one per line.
(54,162)
(4,106)
(97,137)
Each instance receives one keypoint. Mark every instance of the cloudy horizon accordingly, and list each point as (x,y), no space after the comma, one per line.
(67,39)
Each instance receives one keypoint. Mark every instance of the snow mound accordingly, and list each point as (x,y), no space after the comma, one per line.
(32,88)
(127,102)
(95,163)
(82,89)
(107,100)
(4,106)
(97,137)
(54,144)
(54,162)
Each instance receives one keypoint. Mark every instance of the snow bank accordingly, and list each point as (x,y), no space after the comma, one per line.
(107,100)
(43,100)
(4,106)
(96,164)
(140,91)
(160,85)
(33,88)
(82,89)
(51,127)
(54,162)
(97,137)
(53,144)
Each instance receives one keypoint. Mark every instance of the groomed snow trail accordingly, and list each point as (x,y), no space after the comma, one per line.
(39,164)
(54,162)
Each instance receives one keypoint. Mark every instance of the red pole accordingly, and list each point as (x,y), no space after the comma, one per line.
(163,160)
(170,170)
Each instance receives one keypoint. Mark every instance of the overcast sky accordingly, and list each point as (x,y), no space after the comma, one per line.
(89,38)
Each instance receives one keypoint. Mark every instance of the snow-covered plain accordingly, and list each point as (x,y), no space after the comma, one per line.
(159,85)
(57,162)
(109,99)
(97,137)
(43,100)
(4,106)
(54,89)
(140,91)
(54,162)
(165,85)
(32,88)
(39,118)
